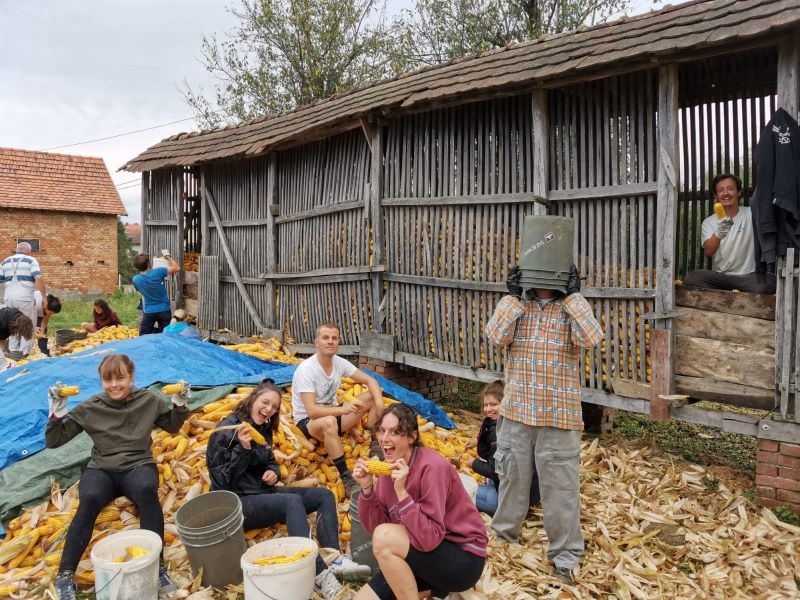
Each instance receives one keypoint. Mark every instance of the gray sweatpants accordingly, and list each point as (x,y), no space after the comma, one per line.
(556,453)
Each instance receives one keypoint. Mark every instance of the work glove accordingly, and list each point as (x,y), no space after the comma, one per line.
(724,227)
(58,404)
(574,281)
(165,253)
(512,282)
(181,399)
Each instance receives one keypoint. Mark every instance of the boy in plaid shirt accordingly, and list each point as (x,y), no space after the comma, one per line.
(544,333)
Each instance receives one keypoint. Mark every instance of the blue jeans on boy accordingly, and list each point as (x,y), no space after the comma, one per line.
(486,499)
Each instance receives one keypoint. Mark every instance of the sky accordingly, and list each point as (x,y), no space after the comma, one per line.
(79,70)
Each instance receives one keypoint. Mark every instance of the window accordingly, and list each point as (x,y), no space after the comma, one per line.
(34,242)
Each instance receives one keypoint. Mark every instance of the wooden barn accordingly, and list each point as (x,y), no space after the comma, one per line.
(395,211)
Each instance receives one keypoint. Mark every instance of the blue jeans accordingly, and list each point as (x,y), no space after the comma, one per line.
(486,500)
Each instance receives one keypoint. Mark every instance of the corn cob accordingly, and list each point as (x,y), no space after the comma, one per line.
(69,390)
(282,559)
(180,448)
(136,551)
(172,388)
(379,467)
(256,435)
(8,589)
(719,210)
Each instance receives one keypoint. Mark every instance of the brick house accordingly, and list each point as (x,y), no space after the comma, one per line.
(134,233)
(66,207)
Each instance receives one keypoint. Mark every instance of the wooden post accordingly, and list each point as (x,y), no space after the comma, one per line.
(788,76)
(145,208)
(541,142)
(178,251)
(205,243)
(272,240)
(662,337)
(376,215)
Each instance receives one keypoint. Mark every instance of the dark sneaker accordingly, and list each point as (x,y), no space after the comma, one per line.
(65,585)
(166,587)
(564,574)
(350,486)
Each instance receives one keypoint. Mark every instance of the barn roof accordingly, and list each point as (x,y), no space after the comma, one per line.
(61,182)
(637,42)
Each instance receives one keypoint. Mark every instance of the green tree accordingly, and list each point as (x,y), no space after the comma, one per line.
(287,53)
(124,253)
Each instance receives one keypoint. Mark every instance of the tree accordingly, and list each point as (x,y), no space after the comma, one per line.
(124,253)
(441,30)
(287,53)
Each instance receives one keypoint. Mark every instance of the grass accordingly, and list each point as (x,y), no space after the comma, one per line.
(75,312)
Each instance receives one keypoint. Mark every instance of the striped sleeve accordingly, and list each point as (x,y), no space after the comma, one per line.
(36,270)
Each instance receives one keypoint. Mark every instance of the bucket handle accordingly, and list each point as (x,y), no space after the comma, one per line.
(110,581)
(266,595)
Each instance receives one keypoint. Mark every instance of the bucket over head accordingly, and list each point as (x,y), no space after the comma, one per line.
(546,250)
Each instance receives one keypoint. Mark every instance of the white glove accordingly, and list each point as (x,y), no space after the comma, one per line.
(58,404)
(182,398)
(724,227)
(165,253)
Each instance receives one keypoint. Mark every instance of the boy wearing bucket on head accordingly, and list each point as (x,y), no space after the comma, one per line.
(119,420)
(240,465)
(314,407)
(426,532)
(486,442)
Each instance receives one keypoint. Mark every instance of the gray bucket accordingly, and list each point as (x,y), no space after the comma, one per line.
(210,528)
(64,337)
(546,251)
(360,539)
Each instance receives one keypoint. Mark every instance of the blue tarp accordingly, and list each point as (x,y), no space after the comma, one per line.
(158,358)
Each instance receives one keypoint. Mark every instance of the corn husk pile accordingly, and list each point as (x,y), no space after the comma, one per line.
(107,334)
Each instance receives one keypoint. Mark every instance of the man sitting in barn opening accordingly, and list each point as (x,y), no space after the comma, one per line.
(730,243)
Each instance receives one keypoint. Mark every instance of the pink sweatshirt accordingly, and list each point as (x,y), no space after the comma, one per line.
(437,507)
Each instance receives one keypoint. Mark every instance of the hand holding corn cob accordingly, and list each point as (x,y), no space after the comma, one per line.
(719,210)
(180,392)
(57,399)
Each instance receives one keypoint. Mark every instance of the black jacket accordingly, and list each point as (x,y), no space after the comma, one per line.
(6,316)
(236,469)
(776,201)
(487,443)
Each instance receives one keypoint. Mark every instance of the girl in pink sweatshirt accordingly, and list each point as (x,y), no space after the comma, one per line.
(426,532)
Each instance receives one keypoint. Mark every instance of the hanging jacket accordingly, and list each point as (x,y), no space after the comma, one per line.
(776,200)
(487,443)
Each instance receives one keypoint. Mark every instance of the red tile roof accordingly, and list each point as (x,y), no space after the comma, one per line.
(134,233)
(62,182)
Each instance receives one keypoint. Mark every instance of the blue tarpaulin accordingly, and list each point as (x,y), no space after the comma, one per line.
(158,358)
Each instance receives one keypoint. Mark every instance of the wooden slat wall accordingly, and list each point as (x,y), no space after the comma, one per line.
(164,229)
(312,181)
(192,232)
(603,134)
(452,211)
(725,103)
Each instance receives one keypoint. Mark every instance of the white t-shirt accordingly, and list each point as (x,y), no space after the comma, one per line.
(735,255)
(309,377)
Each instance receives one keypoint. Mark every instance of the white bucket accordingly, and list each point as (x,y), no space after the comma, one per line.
(136,579)
(470,485)
(292,581)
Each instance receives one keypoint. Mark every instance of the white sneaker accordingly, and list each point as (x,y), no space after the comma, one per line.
(327,585)
(349,570)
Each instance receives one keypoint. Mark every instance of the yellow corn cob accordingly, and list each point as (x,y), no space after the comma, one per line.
(17,560)
(136,551)
(719,210)
(257,437)
(172,388)
(8,589)
(167,472)
(69,390)
(379,467)
(183,443)
(282,559)
(120,559)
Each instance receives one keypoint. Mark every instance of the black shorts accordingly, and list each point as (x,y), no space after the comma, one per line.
(302,425)
(447,568)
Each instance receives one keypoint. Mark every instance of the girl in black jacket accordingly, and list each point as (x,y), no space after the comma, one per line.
(486,500)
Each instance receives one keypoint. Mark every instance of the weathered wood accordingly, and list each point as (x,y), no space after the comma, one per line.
(727,421)
(710,388)
(271,315)
(377,345)
(205,241)
(161,223)
(760,306)
(662,351)
(321,211)
(309,349)
(191,306)
(541,143)
(245,223)
(457,200)
(724,361)
(783,351)
(599,192)
(778,431)
(446,368)
(630,389)
(354,270)
(747,331)
(208,315)
(602,398)
(789,75)
(375,201)
(190,290)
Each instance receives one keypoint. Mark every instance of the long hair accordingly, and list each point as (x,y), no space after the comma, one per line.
(406,421)
(246,404)
(103,306)
(22,326)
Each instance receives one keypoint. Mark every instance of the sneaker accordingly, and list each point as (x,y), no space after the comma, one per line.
(349,570)
(564,574)
(166,587)
(350,486)
(65,585)
(327,585)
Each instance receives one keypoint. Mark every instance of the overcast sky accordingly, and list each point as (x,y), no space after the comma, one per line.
(78,70)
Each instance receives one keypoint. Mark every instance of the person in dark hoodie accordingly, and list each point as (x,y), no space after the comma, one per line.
(102,316)
(120,421)
(486,442)
(730,243)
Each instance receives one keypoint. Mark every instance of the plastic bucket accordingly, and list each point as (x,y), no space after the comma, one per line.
(64,337)
(136,579)
(360,539)
(292,581)
(210,528)
(547,245)
(470,485)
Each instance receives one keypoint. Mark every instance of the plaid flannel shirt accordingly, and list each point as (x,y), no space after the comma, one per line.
(543,364)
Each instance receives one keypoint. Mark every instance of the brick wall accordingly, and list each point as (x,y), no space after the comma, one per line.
(89,241)
(433,386)
(778,475)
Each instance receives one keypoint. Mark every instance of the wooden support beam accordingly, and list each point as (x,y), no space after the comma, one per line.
(205,243)
(788,75)
(272,241)
(376,220)
(145,208)
(663,382)
(541,154)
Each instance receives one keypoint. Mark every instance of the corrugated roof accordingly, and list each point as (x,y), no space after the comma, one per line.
(638,41)
(63,182)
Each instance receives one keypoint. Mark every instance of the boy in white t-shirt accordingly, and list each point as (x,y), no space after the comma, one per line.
(729,242)
(314,408)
